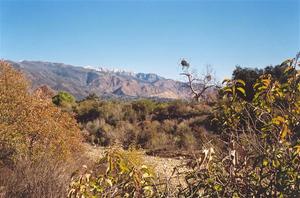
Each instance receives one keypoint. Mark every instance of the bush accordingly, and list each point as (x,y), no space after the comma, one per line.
(142,123)
(64,100)
(119,174)
(32,130)
(262,158)
(44,178)
(29,126)
(87,110)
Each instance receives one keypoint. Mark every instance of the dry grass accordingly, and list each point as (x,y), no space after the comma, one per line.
(45,178)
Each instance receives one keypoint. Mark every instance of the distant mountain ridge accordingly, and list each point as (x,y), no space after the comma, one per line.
(82,81)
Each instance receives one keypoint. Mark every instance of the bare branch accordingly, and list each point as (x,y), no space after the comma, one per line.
(200,85)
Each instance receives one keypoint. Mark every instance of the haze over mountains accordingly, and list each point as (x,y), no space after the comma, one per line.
(82,81)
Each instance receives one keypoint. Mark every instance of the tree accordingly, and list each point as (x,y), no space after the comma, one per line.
(249,76)
(199,85)
(63,99)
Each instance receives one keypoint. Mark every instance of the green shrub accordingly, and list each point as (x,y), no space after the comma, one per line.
(63,99)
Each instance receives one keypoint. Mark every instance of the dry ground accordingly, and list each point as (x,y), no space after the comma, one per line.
(165,168)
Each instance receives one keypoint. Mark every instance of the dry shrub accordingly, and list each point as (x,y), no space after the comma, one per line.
(144,123)
(38,142)
(125,133)
(30,126)
(35,179)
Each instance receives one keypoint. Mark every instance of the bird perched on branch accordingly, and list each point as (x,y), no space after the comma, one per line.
(184,64)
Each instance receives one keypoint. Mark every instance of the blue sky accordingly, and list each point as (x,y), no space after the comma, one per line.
(151,36)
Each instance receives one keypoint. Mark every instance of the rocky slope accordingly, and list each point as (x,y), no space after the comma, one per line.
(82,81)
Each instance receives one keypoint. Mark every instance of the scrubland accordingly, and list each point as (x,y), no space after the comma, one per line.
(244,143)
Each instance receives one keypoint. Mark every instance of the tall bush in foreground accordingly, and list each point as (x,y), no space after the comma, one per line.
(262,136)
(30,126)
(38,142)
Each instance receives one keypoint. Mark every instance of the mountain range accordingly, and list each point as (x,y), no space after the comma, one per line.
(82,81)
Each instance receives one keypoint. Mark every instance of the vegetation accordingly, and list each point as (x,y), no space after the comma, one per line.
(250,75)
(32,132)
(118,174)
(244,144)
(262,136)
(200,85)
(142,123)
(260,156)
(64,99)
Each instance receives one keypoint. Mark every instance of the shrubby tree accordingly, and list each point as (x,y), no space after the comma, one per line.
(199,85)
(249,76)
(40,145)
(132,123)
(64,99)
(30,127)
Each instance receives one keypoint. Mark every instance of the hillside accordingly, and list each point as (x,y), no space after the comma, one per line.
(81,81)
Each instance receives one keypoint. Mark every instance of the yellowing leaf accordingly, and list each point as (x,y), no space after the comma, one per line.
(241,81)
(242,90)
(275,163)
(146,175)
(297,147)
(278,120)
(266,82)
(226,80)
(228,90)
(262,88)
(284,132)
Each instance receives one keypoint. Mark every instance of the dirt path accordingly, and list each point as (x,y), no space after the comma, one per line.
(164,167)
